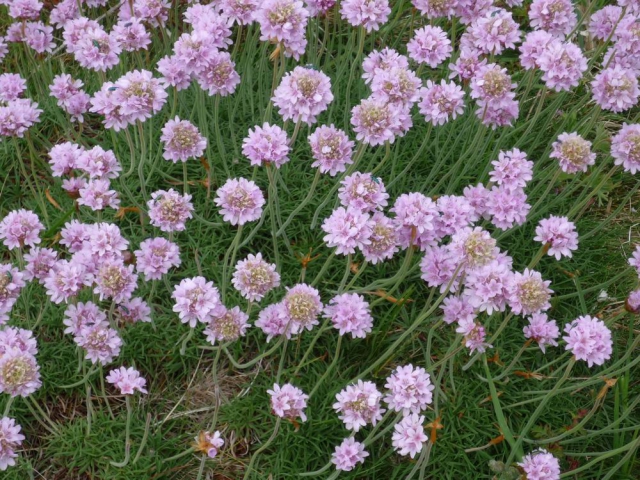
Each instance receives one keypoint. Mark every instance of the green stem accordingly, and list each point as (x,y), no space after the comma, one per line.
(127,440)
(264,446)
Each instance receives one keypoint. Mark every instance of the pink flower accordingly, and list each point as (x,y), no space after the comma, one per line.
(358,405)
(319,7)
(438,266)
(625,147)
(507,207)
(288,401)
(131,35)
(17,116)
(408,437)
(169,210)
(589,339)
(99,163)
(331,149)
(634,261)
(348,454)
(19,373)
(477,196)
(474,335)
(616,89)
(559,233)
(415,219)
(632,304)
(156,257)
(529,293)
(182,140)
(376,122)
(12,86)
(429,45)
(562,64)
(540,465)
(302,305)
(284,21)
(455,214)
(116,281)
(101,342)
(266,144)
(383,241)
(399,86)
(39,262)
(470,10)
(240,11)
(383,60)
(241,201)
(74,30)
(467,64)
(127,380)
(218,75)
(65,280)
(474,246)
(370,14)
(603,22)
(207,18)
(456,309)
(409,390)
(573,153)
(25,9)
(97,195)
(542,330)
(19,338)
(302,95)
(363,191)
(441,102)
(254,277)
(555,16)
(134,310)
(273,321)
(196,300)
(534,45)
(155,12)
(19,228)
(512,170)
(487,288)
(81,315)
(11,441)
(347,229)
(491,83)
(96,50)
(433,9)
(39,37)
(350,313)
(227,327)
(74,234)
(492,33)
(173,72)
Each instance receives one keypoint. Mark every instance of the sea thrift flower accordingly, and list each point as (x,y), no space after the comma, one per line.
(348,454)
(615,89)
(17,116)
(241,201)
(474,335)
(409,389)
(415,219)
(492,32)
(512,170)
(74,30)
(273,321)
(399,86)
(127,380)
(99,163)
(24,9)
(554,16)
(227,327)
(383,60)
(529,293)
(97,195)
(376,122)
(350,313)
(347,229)
(39,262)
(589,339)
(131,35)
(196,300)
(288,402)
(534,45)
(466,65)
(470,10)
(156,257)
(65,280)
(115,281)
(486,288)
(19,228)
(573,153)
(603,22)
(429,45)
(331,149)
(457,309)
(302,95)
(507,207)
(477,196)
(474,246)
(82,315)
(10,441)
(96,50)
(383,241)
(302,305)
(19,373)
(19,338)
(154,12)
(363,191)
(12,86)
(441,102)
(169,210)
(438,267)
(542,330)
(63,158)
(491,83)
(455,213)
(218,76)
(433,9)
(560,234)
(632,304)
(254,277)
(182,140)
(242,11)
(540,465)
(562,64)
(74,234)
(266,145)
(370,14)
(173,72)
(284,21)
(39,37)
(194,50)
(358,405)
(209,443)
(408,437)
(134,310)
(625,147)
(101,342)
